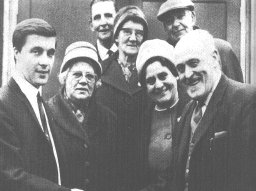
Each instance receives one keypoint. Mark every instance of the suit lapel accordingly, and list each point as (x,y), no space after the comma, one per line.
(16,89)
(185,130)
(211,111)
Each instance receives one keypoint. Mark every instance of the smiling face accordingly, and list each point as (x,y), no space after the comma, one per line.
(102,19)
(35,59)
(197,67)
(80,81)
(179,22)
(161,85)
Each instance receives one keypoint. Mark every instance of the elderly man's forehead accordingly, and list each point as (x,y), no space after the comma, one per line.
(190,50)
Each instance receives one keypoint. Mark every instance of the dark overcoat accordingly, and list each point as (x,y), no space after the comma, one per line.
(128,101)
(86,152)
(224,154)
(26,158)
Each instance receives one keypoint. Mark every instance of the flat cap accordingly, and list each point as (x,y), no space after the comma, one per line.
(173,4)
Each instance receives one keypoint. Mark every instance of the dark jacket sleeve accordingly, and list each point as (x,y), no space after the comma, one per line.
(13,175)
(229,61)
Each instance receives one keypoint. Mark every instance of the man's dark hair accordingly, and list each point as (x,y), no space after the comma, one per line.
(163,61)
(96,1)
(28,27)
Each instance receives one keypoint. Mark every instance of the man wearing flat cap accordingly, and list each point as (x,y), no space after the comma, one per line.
(179,18)
(84,129)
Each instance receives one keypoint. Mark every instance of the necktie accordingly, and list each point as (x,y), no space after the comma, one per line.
(42,116)
(196,117)
(110,53)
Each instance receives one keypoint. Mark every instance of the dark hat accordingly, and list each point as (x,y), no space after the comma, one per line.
(172,5)
(81,49)
(128,13)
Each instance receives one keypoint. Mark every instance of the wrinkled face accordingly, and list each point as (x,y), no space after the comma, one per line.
(196,68)
(80,81)
(102,19)
(35,60)
(178,22)
(130,38)
(161,84)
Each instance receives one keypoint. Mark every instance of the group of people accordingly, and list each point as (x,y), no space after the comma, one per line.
(132,114)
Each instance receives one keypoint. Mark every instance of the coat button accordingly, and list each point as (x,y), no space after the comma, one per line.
(85,146)
(86,164)
(86,181)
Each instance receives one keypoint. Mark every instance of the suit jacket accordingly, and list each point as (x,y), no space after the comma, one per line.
(27,162)
(224,157)
(128,102)
(86,152)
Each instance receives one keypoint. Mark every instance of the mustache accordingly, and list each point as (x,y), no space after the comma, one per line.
(104,27)
(191,80)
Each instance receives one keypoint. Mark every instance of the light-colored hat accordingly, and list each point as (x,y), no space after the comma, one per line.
(173,4)
(81,49)
(154,48)
(128,13)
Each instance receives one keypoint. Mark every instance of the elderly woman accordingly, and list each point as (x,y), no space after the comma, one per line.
(85,129)
(121,92)
(158,77)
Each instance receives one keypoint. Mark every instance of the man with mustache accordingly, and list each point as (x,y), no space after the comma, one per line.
(216,135)
(28,156)
(178,18)
(101,22)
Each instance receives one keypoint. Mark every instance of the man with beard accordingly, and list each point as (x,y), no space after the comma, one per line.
(216,136)
(101,22)
(179,18)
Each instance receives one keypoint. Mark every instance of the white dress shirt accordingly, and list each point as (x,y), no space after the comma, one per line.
(31,94)
(103,52)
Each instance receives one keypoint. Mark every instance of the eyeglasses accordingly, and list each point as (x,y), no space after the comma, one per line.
(91,78)
(128,32)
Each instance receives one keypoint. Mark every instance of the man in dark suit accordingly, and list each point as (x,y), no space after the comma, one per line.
(179,18)
(103,13)
(28,156)
(214,143)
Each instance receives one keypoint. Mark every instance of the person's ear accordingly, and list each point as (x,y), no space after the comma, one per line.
(16,51)
(91,25)
(216,58)
(193,15)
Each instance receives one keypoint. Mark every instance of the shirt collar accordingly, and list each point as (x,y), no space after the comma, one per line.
(164,109)
(28,89)
(103,51)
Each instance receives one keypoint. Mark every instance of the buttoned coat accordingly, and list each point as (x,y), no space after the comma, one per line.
(86,152)
(224,154)
(27,161)
(128,102)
